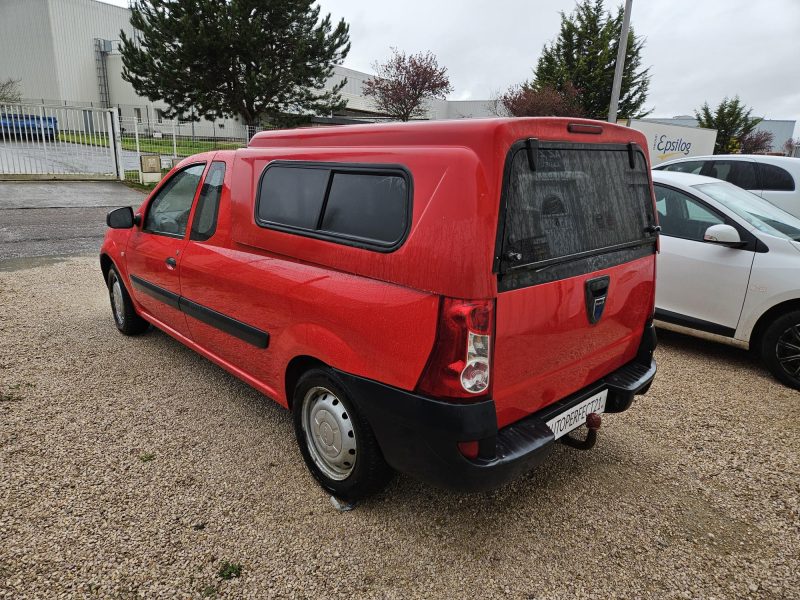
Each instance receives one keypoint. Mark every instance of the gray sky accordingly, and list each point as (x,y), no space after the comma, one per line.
(698,50)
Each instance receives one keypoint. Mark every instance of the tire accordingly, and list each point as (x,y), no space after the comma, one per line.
(354,470)
(780,348)
(125,317)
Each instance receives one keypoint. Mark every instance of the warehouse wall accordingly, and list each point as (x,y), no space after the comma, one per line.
(26,47)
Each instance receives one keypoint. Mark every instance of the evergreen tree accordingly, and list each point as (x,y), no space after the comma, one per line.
(263,60)
(732,121)
(584,55)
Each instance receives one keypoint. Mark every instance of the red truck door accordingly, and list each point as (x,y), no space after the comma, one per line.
(576,270)
(155,250)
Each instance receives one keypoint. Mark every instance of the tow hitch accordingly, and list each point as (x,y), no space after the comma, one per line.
(593,423)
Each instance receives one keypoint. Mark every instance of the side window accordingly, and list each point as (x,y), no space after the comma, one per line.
(168,212)
(682,216)
(205,215)
(356,204)
(741,173)
(689,166)
(775,179)
(372,207)
(292,196)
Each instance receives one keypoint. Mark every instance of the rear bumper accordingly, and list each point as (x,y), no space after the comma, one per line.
(419,435)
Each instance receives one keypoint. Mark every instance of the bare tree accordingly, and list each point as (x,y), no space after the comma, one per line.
(756,142)
(528,101)
(9,91)
(404,83)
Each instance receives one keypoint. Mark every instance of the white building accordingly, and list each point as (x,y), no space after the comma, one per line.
(65,52)
(781,130)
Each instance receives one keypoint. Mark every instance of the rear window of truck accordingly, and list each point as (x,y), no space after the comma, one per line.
(357,205)
(576,209)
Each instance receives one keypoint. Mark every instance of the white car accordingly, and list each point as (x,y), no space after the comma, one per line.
(729,268)
(774,178)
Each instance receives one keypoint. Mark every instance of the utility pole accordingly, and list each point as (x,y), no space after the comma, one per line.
(623,47)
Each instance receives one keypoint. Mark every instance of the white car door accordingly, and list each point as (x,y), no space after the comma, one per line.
(700,284)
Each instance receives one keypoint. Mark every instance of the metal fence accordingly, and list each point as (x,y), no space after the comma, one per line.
(58,142)
(61,142)
(172,140)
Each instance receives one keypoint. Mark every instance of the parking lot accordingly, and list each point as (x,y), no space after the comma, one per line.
(132,467)
(38,156)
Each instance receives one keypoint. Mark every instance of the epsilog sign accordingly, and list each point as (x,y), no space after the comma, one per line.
(667,142)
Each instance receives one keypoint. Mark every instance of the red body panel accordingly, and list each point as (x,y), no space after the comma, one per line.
(546,349)
(374,314)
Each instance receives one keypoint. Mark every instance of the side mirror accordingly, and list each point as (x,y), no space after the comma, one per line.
(725,235)
(121,218)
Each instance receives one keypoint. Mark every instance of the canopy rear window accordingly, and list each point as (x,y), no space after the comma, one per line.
(578,201)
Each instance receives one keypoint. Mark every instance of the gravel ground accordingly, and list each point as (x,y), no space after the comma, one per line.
(135,468)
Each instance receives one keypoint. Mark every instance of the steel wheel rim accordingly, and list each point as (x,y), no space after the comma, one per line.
(329,433)
(117,301)
(787,351)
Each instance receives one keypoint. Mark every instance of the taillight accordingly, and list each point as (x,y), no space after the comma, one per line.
(459,365)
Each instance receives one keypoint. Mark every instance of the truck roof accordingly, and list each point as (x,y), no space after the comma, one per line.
(471,133)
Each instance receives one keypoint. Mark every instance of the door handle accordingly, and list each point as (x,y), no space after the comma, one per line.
(171,262)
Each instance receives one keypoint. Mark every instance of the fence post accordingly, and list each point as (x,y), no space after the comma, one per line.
(138,154)
(174,143)
(115,139)
(44,137)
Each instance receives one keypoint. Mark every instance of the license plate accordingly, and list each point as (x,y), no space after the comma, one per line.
(576,416)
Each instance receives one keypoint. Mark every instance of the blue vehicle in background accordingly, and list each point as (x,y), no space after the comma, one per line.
(27,127)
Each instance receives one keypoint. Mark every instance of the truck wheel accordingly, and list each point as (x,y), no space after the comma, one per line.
(125,317)
(336,442)
(780,348)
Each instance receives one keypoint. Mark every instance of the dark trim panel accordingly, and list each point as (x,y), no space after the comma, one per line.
(169,298)
(692,323)
(226,324)
(231,326)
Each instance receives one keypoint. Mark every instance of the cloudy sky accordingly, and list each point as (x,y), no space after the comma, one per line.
(698,50)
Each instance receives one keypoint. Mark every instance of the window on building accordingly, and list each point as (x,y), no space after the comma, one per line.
(137,112)
(356,204)
(159,115)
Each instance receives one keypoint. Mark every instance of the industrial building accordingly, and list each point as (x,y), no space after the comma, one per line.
(65,52)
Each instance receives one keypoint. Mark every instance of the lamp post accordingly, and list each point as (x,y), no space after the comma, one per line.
(623,47)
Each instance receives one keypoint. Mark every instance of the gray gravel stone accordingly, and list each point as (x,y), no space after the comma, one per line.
(693,493)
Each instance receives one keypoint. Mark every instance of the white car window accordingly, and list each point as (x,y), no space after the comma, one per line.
(682,216)
(759,213)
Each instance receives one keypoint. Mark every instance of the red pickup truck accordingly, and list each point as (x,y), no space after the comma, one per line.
(445,299)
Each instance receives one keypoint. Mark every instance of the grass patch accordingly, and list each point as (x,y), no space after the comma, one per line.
(229,570)
(210,591)
(147,457)
(10,397)
(151,145)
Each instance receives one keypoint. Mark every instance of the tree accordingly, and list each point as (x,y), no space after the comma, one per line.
(526,101)
(263,60)
(732,121)
(789,146)
(403,84)
(9,91)
(584,56)
(756,142)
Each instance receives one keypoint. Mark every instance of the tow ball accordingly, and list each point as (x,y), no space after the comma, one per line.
(593,423)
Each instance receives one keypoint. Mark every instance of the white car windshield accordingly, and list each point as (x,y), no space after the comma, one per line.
(758,212)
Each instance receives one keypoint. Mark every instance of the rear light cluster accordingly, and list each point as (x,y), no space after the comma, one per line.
(460,364)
